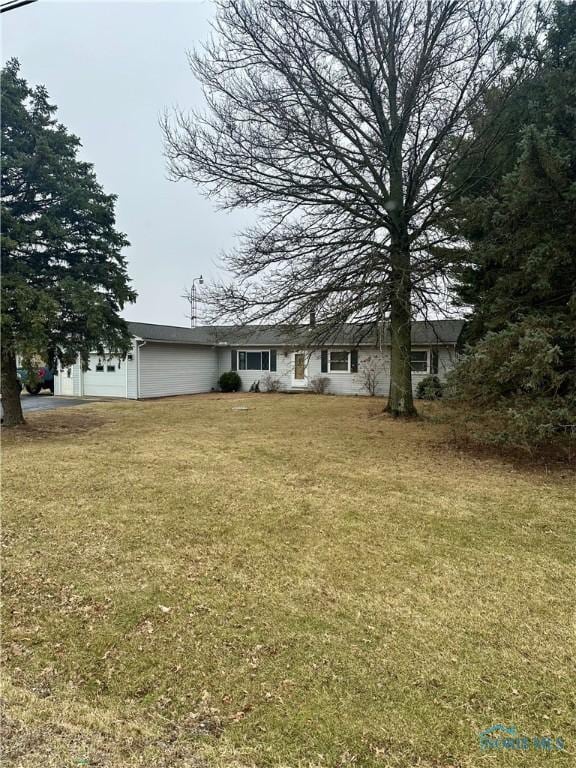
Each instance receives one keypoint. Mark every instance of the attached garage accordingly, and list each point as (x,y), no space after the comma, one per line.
(106,377)
(164,360)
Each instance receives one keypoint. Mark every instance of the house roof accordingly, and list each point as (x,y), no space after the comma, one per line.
(430,332)
(173,333)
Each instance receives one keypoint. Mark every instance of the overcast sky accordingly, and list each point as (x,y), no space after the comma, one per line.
(112,68)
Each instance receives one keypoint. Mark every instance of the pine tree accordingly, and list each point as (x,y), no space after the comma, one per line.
(520,222)
(64,275)
(519,277)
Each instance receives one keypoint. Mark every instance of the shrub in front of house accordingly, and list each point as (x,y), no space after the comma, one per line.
(319,384)
(230,382)
(370,369)
(270,384)
(429,388)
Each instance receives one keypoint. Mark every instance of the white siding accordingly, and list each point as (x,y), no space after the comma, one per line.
(63,388)
(89,383)
(447,359)
(132,373)
(283,365)
(77,376)
(105,383)
(176,369)
(179,369)
(340,383)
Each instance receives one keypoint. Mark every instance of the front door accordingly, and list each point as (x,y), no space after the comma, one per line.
(299,370)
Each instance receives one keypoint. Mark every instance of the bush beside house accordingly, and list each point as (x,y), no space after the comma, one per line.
(230,382)
(429,388)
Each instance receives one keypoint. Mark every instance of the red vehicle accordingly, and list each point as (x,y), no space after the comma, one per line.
(43,379)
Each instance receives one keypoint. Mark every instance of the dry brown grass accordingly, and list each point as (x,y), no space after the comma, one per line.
(303,583)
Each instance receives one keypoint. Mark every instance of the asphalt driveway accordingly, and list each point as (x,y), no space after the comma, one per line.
(47,402)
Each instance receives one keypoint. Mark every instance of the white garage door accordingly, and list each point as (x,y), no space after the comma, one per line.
(106,377)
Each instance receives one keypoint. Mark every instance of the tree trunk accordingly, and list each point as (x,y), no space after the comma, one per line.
(11,405)
(400,401)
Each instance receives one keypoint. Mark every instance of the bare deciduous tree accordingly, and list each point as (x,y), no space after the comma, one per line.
(340,120)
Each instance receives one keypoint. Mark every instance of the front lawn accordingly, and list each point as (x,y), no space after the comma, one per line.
(304,583)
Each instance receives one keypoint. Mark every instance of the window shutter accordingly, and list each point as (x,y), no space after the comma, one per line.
(354,361)
(324,361)
(272,359)
(233,360)
(434,361)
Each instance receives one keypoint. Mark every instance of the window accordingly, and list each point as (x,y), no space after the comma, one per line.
(338,361)
(254,361)
(110,368)
(130,357)
(99,368)
(419,360)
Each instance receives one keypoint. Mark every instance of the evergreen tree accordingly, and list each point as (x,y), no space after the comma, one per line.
(519,276)
(64,275)
(519,221)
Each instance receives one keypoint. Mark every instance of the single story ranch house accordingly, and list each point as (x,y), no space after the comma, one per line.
(167,360)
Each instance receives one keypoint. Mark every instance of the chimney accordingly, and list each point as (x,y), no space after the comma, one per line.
(312,318)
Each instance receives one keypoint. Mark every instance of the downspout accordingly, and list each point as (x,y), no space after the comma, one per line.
(138,346)
(126,364)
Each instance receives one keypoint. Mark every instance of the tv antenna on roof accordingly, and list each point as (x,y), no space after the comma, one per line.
(191,297)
